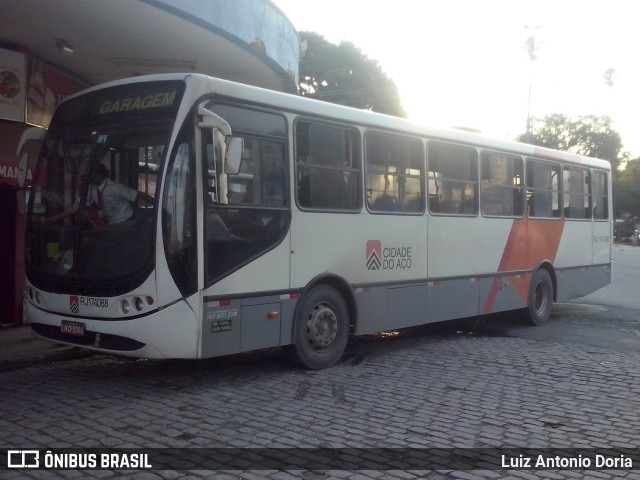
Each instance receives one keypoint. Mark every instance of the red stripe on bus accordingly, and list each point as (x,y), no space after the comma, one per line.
(530,243)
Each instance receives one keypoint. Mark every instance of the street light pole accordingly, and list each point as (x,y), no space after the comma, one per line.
(530,47)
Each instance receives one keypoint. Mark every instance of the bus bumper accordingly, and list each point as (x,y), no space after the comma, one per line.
(168,333)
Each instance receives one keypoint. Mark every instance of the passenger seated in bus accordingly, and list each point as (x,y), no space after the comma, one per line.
(412,204)
(468,205)
(450,206)
(385,203)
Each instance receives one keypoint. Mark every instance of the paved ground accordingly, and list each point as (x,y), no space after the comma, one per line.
(574,383)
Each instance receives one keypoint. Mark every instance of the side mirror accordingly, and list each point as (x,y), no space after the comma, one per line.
(233,159)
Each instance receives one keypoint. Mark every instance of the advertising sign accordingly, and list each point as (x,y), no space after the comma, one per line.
(12,85)
(47,88)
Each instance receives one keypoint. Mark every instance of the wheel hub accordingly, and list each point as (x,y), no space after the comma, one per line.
(322,327)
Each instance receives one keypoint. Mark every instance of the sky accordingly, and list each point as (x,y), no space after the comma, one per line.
(464,63)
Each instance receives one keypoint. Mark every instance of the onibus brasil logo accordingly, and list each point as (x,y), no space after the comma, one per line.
(381,257)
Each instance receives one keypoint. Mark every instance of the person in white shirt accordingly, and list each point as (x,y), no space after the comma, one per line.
(114,199)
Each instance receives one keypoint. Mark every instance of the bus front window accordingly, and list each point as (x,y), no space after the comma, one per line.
(92,209)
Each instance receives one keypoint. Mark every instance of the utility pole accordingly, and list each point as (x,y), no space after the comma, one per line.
(530,47)
(608,76)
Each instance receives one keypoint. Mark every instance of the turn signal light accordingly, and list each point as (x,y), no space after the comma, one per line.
(135,304)
(139,304)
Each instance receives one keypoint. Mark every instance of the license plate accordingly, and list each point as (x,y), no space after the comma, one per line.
(76,329)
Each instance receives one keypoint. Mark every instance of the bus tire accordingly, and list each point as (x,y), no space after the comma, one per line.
(540,301)
(321,329)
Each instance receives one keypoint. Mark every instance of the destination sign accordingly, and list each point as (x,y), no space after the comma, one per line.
(138,102)
(143,98)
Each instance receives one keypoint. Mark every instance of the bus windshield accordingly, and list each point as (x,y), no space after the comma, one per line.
(92,210)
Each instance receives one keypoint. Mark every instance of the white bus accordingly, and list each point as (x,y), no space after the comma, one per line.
(275,220)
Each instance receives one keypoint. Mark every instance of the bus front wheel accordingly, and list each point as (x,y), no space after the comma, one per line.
(321,329)
(540,298)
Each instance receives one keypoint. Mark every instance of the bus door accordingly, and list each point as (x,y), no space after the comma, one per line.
(246,220)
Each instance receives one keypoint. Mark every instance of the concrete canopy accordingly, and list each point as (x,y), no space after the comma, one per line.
(96,40)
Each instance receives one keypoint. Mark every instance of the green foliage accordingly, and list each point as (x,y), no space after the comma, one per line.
(627,189)
(343,74)
(590,135)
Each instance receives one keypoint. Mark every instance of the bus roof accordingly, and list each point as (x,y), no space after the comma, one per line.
(305,106)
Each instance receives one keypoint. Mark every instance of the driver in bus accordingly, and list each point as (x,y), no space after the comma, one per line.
(114,201)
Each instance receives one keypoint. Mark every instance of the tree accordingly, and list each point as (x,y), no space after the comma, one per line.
(627,189)
(343,74)
(589,135)
(592,136)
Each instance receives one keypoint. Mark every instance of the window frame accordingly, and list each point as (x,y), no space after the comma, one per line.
(514,187)
(260,136)
(605,196)
(357,172)
(558,191)
(411,142)
(475,181)
(571,167)
(220,212)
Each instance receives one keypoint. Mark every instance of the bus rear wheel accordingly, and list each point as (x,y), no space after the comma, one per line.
(321,329)
(540,301)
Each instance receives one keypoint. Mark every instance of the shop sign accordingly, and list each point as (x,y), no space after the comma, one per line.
(12,85)
(11,174)
(47,88)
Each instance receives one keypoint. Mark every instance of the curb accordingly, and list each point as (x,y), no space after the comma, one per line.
(63,354)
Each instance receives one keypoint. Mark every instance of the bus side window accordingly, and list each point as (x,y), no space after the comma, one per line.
(576,184)
(453,179)
(502,192)
(600,195)
(395,174)
(328,167)
(543,189)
